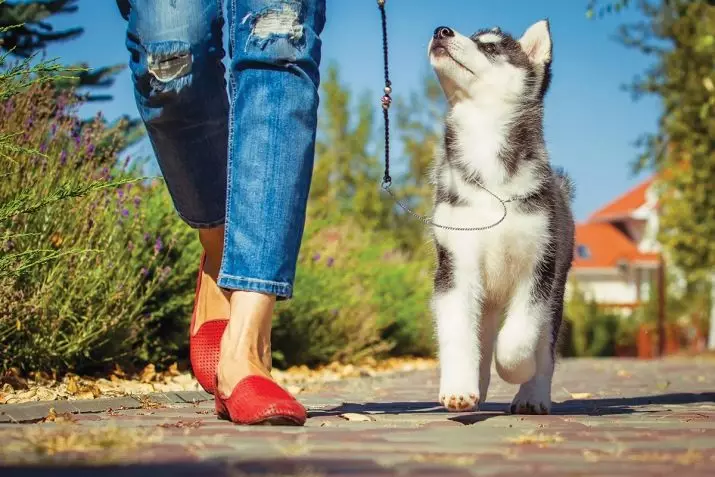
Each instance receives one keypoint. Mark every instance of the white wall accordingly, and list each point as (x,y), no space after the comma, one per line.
(606,288)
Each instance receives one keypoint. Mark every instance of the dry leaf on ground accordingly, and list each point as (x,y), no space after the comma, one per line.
(354,416)
(540,439)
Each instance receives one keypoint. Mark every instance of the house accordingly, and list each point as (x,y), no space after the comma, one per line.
(617,255)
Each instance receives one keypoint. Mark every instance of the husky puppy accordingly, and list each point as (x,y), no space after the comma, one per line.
(494,142)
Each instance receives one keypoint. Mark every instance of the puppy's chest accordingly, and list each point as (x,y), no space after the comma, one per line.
(502,255)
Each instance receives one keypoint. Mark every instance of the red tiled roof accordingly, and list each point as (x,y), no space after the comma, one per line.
(605,245)
(624,205)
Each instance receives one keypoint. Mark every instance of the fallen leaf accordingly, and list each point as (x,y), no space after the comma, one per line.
(182,425)
(293,389)
(173,370)
(148,403)
(581,395)
(355,417)
(119,372)
(73,385)
(52,416)
(623,373)
(148,373)
(540,439)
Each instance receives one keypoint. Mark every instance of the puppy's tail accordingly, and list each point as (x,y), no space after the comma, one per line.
(565,184)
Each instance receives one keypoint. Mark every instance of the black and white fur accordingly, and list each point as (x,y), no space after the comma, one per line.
(495,86)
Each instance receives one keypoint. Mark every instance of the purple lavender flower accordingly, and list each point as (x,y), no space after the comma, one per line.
(43,148)
(120,194)
(330,262)
(316,257)
(147,237)
(144,272)
(63,157)
(137,201)
(158,245)
(53,129)
(125,213)
(90,149)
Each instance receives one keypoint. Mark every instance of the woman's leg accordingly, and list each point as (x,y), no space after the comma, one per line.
(275,51)
(176,51)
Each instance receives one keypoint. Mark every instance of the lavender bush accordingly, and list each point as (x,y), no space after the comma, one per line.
(92,267)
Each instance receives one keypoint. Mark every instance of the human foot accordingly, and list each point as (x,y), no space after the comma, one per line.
(246,392)
(246,343)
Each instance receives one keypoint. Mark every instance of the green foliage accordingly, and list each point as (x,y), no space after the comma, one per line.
(92,269)
(356,295)
(591,331)
(680,37)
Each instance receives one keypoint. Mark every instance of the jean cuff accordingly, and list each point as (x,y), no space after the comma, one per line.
(202,225)
(282,290)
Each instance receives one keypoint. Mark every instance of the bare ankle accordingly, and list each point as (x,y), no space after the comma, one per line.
(212,243)
(246,344)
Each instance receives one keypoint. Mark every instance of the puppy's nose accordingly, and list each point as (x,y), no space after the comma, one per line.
(443,32)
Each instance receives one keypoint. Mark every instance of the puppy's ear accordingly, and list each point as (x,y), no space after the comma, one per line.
(536,42)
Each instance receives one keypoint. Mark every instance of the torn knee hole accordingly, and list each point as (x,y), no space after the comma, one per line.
(166,65)
(272,23)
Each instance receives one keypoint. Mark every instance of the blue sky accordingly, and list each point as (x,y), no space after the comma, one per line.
(591,124)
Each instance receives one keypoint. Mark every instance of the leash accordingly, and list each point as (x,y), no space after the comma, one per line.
(386,179)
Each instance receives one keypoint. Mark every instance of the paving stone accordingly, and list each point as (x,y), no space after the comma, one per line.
(637,418)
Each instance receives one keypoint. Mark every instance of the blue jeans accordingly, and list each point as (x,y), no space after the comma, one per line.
(242,158)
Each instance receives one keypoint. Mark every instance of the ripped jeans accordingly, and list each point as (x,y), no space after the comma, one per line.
(242,158)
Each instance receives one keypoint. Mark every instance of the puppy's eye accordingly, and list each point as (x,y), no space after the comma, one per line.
(489,48)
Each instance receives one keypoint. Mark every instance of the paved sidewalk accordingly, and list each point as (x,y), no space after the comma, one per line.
(611,418)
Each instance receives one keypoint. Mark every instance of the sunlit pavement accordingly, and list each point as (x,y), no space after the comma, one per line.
(610,417)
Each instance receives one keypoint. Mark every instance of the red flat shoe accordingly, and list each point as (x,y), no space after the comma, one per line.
(205,344)
(259,401)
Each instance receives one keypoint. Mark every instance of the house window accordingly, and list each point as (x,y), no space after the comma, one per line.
(583,252)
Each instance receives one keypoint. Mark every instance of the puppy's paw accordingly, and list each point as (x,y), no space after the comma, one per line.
(532,398)
(459,401)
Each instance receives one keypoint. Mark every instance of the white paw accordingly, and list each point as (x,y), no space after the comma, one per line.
(459,395)
(533,398)
(459,402)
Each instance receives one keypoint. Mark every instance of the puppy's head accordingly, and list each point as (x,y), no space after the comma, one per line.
(492,65)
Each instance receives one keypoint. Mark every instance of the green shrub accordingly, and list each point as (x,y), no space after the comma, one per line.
(591,332)
(356,295)
(108,281)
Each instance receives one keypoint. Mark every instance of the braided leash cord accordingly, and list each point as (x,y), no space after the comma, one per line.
(386,179)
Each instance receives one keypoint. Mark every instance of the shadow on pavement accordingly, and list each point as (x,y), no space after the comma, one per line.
(590,407)
(274,468)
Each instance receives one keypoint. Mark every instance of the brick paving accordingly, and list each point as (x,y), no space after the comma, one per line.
(610,418)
